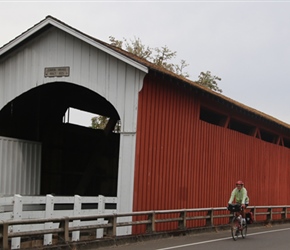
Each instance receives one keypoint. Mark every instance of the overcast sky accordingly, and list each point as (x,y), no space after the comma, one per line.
(246,43)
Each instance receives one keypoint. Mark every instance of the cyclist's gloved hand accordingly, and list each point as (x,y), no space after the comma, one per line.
(243,205)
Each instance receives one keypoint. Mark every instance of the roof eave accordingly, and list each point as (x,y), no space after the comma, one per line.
(75,33)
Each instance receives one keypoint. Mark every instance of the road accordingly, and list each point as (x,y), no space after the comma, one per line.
(276,237)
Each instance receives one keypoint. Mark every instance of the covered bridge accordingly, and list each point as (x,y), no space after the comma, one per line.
(180,145)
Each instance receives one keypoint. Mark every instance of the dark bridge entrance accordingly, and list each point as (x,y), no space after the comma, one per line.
(75,159)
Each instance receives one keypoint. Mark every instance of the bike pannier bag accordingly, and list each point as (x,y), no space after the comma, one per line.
(249,218)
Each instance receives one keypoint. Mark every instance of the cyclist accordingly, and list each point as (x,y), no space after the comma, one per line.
(240,195)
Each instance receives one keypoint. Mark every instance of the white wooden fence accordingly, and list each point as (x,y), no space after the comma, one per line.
(19,207)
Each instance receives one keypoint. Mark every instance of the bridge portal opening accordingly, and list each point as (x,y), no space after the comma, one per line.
(76,159)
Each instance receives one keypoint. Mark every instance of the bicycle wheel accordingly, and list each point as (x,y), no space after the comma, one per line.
(244,231)
(235,228)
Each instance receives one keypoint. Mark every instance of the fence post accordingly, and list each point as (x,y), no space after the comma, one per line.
(284,215)
(49,206)
(270,215)
(4,232)
(254,210)
(76,212)
(101,210)
(209,221)
(182,223)
(101,204)
(65,226)
(1,206)
(112,230)
(150,228)
(17,215)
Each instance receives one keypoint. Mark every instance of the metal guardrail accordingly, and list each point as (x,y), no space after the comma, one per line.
(180,215)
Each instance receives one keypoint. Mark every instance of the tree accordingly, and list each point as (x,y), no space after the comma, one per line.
(162,57)
(159,56)
(135,47)
(179,69)
(208,80)
(100,122)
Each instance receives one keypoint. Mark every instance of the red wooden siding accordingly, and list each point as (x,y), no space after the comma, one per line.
(184,162)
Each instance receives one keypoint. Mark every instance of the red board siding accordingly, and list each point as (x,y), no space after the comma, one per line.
(183,162)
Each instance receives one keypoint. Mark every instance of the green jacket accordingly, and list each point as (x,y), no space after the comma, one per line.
(241,196)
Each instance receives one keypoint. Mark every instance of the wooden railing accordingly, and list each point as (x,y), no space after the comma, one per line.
(66,226)
(22,208)
(36,207)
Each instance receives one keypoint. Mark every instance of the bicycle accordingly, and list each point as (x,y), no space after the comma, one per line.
(237,226)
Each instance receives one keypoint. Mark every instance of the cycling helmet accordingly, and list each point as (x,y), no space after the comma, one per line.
(239,183)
